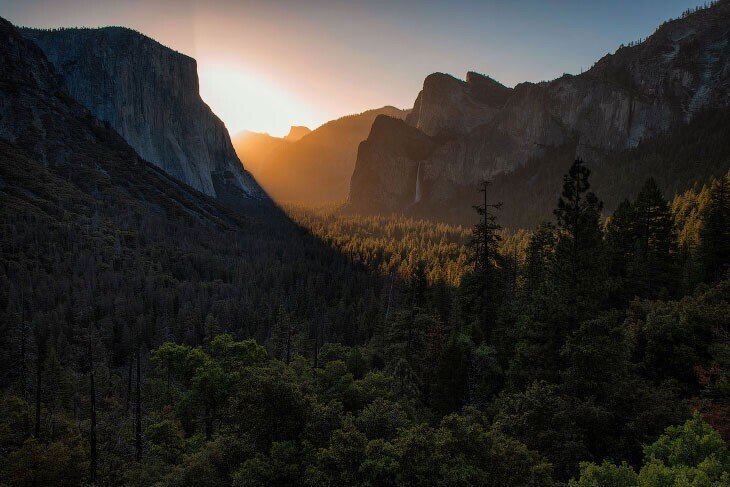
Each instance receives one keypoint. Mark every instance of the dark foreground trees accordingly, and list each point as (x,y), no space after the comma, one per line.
(601,332)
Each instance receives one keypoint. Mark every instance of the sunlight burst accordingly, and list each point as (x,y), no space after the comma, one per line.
(248,101)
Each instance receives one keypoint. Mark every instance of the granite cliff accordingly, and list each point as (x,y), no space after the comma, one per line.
(149,94)
(484,130)
(55,150)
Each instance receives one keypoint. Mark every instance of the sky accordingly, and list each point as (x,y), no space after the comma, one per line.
(266,65)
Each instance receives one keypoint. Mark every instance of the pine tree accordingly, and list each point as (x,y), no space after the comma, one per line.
(579,260)
(138,411)
(418,285)
(41,335)
(620,247)
(405,350)
(714,248)
(655,264)
(483,285)
(540,250)
(281,336)
(92,403)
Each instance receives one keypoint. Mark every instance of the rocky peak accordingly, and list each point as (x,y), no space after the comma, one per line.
(482,129)
(685,62)
(375,186)
(296,132)
(54,149)
(448,107)
(150,95)
(488,90)
(390,132)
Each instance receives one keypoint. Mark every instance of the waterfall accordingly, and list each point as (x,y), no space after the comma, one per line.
(417,198)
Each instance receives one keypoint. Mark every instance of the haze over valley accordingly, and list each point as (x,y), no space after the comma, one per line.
(365,243)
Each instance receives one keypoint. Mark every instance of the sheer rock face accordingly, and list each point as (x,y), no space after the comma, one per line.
(448,107)
(389,187)
(41,125)
(150,95)
(484,129)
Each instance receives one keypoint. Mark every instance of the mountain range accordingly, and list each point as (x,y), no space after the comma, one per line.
(657,108)
(524,138)
(149,94)
(309,166)
(89,224)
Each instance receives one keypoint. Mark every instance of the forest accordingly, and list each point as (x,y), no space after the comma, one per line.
(315,347)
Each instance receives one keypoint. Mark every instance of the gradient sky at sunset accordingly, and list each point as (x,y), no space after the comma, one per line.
(265,65)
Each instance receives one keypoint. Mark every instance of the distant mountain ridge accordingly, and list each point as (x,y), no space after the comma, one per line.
(150,95)
(317,166)
(296,132)
(478,129)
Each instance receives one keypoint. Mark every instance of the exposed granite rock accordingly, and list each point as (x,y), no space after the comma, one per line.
(41,124)
(392,186)
(150,95)
(484,129)
(447,107)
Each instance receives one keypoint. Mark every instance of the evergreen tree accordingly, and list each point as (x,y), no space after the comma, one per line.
(620,246)
(452,375)
(539,252)
(715,232)
(405,350)
(281,336)
(654,266)
(578,270)
(483,286)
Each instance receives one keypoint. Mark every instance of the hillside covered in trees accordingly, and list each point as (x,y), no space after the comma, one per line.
(150,336)
(594,347)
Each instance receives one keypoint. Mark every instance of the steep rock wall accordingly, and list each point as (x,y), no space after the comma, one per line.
(150,95)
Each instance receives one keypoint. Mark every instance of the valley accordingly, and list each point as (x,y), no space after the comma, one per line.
(500,286)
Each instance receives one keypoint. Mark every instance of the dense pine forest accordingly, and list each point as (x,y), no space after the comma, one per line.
(346,350)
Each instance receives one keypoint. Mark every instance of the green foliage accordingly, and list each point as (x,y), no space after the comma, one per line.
(605,475)
(461,452)
(672,338)
(715,232)
(545,421)
(655,247)
(378,370)
(281,467)
(382,419)
(62,463)
(689,445)
(578,271)
(237,354)
(405,350)
(692,454)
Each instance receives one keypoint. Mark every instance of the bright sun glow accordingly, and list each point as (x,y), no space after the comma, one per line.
(246,101)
